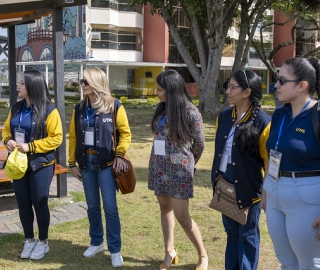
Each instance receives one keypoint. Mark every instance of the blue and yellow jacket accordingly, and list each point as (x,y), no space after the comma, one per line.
(42,147)
(248,170)
(103,136)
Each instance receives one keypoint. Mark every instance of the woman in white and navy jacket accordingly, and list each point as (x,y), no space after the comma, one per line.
(92,156)
(240,157)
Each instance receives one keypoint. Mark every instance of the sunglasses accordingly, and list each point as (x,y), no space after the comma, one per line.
(282,81)
(84,81)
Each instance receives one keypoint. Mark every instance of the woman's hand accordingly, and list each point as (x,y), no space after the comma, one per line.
(119,165)
(316,224)
(10,145)
(76,173)
(263,202)
(23,147)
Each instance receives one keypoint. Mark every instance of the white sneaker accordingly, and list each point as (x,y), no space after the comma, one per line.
(93,250)
(39,250)
(117,260)
(27,249)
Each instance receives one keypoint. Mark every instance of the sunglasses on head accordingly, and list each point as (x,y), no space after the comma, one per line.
(282,81)
(84,81)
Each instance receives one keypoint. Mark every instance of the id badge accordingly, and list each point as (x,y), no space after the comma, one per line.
(223,163)
(89,136)
(274,163)
(159,146)
(19,135)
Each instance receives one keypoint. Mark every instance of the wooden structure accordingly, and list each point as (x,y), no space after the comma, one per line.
(16,12)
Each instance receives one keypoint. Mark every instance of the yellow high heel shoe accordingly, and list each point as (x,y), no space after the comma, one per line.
(174,260)
(203,256)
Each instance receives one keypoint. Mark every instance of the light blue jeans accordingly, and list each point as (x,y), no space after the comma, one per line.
(293,204)
(94,182)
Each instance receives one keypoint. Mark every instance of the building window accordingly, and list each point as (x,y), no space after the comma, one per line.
(267,49)
(180,17)
(122,5)
(116,40)
(305,41)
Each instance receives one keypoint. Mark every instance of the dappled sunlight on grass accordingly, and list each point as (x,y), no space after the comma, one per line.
(140,218)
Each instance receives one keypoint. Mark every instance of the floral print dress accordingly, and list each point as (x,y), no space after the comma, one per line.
(172,174)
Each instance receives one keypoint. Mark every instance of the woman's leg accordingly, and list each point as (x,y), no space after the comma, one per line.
(300,202)
(249,240)
(231,228)
(108,193)
(23,197)
(276,222)
(92,193)
(39,189)
(167,224)
(243,241)
(181,211)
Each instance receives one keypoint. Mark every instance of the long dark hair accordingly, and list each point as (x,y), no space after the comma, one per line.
(39,97)
(175,106)
(247,135)
(306,69)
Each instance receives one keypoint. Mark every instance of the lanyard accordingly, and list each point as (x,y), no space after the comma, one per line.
(22,118)
(280,133)
(230,135)
(162,120)
(87,117)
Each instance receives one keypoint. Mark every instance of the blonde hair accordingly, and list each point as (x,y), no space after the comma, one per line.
(97,79)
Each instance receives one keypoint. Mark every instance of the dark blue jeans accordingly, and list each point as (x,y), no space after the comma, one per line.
(243,241)
(96,181)
(33,190)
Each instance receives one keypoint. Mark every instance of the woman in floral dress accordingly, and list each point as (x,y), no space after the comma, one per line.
(178,144)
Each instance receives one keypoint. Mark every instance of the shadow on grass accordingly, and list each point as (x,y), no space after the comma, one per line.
(67,255)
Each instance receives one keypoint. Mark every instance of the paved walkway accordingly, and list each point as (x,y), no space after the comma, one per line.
(9,218)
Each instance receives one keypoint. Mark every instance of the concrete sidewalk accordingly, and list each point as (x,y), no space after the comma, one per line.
(10,221)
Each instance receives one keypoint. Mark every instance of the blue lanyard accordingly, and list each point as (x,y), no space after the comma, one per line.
(22,118)
(87,117)
(162,120)
(231,135)
(280,133)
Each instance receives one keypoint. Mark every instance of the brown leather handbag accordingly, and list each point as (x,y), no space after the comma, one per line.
(126,181)
(224,200)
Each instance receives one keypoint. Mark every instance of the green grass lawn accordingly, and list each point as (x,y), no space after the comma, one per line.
(140,218)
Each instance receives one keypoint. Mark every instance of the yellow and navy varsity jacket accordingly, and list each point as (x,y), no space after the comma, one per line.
(103,136)
(248,170)
(42,147)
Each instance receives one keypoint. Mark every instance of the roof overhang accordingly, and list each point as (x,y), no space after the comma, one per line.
(15,12)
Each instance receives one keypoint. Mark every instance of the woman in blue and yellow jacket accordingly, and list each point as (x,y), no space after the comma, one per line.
(91,147)
(34,127)
(240,157)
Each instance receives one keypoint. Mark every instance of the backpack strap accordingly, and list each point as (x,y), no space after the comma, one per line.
(315,121)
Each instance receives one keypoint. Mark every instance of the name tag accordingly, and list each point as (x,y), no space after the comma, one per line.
(274,163)
(19,135)
(223,163)
(89,136)
(159,147)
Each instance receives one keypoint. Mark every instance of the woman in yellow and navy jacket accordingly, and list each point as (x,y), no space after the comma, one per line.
(240,157)
(91,147)
(34,127)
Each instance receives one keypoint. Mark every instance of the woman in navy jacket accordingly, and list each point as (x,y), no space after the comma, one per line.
(34,127)
(240,157)
(92,156)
